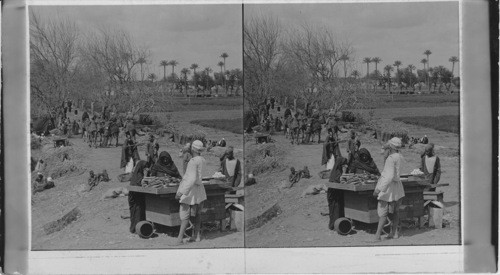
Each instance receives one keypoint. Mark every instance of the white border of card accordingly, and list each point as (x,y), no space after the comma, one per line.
(476,253)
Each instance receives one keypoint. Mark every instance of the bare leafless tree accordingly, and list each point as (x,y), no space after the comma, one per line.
(261,53)
(53,61)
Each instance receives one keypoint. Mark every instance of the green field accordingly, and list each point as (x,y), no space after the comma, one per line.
(422,100)
(230,125)
(441,123)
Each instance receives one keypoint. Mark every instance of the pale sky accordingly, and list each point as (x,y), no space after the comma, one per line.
(187,33)
(391,31)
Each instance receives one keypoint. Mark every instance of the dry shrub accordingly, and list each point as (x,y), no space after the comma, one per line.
(260,158)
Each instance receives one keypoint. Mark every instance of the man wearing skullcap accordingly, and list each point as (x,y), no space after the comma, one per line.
(191,194)
(389,190)
(430,165)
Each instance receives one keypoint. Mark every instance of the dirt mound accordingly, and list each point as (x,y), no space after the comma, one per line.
(260,158)
(62,161)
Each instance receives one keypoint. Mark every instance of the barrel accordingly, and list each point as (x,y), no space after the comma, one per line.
(343,226)
(144,229)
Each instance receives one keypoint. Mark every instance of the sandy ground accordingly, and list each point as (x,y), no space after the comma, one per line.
(101,225)
(300,224)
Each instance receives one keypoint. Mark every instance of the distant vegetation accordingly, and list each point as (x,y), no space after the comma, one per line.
(441,123)
(427,100)
(230,125)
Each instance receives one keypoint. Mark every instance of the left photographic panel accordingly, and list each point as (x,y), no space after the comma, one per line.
(136,127)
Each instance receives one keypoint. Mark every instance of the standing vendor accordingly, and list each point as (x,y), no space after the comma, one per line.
(336,197)
(389,190)
(191,194)
(231,168)
(136,201)
(430,165)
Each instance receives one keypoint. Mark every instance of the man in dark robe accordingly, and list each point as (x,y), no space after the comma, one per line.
(335,197)
(136,201)
(129,150)
(330,147)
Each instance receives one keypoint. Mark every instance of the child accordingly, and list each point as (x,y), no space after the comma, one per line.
(389,190)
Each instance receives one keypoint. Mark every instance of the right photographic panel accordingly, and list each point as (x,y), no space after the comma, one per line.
(352,124)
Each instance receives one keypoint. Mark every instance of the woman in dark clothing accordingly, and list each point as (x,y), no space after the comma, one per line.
(330,147)
(336,197)
(129,150)
(165,166)
(363,163)
(136,201)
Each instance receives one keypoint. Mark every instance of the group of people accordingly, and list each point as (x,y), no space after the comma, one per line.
(389,190)
(191,192)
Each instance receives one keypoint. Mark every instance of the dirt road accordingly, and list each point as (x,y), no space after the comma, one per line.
(101,225)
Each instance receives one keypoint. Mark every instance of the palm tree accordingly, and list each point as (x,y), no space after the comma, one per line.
(207,70)
(141,61)
(152,76)
(367,60)
(411,68)
(221,64)
(427,53)
(423,61)
(164,64)
(376,60)
(453,60)
(224,56)
(389,69)
(185,72)
(173,63)
(344,58)
(193,67)
(355,74)
(398,63)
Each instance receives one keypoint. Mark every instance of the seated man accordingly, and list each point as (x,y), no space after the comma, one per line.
(231,168)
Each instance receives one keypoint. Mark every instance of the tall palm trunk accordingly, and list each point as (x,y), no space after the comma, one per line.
(367,69)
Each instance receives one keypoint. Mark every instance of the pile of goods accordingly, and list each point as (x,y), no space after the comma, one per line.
(416,172)
(160,182)
(218,175)
(356,179)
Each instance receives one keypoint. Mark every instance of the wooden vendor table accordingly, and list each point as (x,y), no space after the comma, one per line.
(360,205)
(162,207)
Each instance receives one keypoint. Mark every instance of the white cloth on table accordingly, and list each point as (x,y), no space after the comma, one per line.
(389,184)
(191,186)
